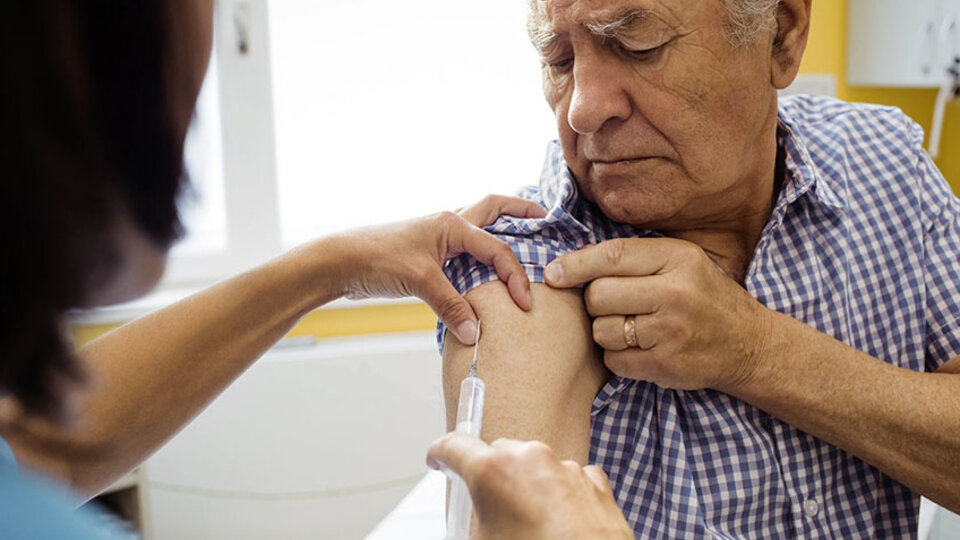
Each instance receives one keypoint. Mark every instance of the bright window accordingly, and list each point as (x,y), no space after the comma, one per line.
(321,116)
(386,110)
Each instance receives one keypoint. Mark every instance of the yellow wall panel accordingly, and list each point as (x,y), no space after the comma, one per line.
(327,322)
(827,44)
(827,53)
(353,321)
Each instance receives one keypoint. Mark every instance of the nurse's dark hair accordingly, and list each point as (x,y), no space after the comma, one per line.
(88,141)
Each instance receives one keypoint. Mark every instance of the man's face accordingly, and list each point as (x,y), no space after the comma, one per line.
(664,123)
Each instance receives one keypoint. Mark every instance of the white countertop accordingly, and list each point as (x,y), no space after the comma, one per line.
(420,515)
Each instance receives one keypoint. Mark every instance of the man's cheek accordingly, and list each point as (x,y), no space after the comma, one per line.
(555,88)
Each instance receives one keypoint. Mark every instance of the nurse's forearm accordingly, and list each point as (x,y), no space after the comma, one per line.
(153,375)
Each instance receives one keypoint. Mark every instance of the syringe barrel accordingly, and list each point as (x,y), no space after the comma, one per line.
(469,421)
(470,407)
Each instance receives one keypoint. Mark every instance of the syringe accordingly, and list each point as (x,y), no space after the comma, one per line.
(469,421)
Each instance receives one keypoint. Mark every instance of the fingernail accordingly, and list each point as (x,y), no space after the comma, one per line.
(437,465)
(553,273)
(467,332)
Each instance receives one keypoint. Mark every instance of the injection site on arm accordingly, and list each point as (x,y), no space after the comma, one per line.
(540,367)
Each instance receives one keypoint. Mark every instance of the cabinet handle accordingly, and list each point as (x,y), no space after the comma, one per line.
(946,46)
(241,25)
(929,51)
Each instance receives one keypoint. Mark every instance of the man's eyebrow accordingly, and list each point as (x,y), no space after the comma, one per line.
(544,38)
(540,31)
(611,27)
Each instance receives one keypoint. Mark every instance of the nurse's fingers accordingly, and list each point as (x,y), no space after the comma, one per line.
(452,309)
(492,207)
(489,250)
(598,478)
(459,453)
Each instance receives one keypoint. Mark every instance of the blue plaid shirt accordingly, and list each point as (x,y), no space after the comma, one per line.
(863,244)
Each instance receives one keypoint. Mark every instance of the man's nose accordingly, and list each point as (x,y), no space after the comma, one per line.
(598,95)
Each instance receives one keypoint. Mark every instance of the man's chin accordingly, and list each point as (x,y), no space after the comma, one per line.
(634,207)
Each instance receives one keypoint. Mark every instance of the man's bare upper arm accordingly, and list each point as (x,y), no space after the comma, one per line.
(541,368)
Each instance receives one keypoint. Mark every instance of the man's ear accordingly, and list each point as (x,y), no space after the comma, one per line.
(789,41)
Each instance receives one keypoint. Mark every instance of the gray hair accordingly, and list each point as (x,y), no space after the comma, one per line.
(746,21)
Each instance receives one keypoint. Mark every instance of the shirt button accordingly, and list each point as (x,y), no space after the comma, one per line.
(810,507)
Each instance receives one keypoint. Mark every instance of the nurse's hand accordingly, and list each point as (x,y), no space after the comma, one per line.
(406,259)
(523,490)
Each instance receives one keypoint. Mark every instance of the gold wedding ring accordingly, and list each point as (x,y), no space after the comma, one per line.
(630,330)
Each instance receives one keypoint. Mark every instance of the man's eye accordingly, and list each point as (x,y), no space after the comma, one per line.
(561,64)
(642,54)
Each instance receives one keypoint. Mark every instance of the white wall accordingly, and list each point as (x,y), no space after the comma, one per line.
(320,442)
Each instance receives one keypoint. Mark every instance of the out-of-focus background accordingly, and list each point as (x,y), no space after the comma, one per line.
(320,116)
(891,52)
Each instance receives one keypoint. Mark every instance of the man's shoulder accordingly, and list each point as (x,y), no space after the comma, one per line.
(811,109)
(872,155)
(827,119)
(868,153)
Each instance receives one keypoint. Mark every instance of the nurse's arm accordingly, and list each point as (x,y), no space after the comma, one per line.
(541,368)
(151,376)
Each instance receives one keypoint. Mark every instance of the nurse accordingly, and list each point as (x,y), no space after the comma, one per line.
(96,99)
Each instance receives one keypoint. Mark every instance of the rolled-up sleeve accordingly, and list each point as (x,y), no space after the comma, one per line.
(535,242)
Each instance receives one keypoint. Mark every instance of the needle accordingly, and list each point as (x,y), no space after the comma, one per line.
(476,347)
(469,421)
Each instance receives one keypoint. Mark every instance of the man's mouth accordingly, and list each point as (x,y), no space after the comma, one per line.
(614,167)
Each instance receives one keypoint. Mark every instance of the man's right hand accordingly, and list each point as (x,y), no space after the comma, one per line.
(523,490)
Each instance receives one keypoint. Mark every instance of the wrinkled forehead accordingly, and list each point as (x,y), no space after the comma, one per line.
(549,17)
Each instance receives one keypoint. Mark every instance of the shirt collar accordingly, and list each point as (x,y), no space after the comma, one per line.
(802,174)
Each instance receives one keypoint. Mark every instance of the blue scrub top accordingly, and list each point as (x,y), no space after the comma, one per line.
(34,508)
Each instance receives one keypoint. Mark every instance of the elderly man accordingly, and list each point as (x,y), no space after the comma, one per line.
(774,286)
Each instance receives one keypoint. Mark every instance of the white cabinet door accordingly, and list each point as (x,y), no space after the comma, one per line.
(895,42)
(310,443)
(950,33)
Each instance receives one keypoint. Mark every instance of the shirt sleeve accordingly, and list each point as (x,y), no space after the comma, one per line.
(8,462)
(942,270)
(535,242)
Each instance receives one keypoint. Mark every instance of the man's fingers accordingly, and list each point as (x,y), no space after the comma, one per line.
(489,250)
(609,332)
(632,363)
(452,309)
(456,452)
(619,257)
(492,207)
(625,295)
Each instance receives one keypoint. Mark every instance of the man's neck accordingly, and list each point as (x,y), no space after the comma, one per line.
(731,252)
(731,243)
